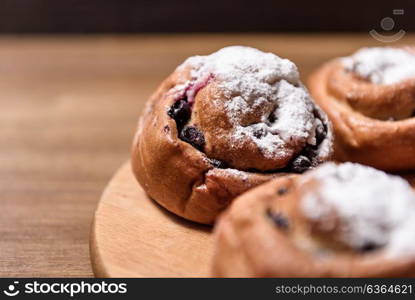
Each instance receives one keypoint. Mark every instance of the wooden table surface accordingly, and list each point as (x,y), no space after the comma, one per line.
(69,106)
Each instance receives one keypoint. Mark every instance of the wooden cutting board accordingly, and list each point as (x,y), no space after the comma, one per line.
(132,236)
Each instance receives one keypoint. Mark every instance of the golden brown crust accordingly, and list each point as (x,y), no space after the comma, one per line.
(250,244)
(174,173)
(373,124)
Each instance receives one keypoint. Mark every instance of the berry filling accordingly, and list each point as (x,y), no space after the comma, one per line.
(193,136)
(279,220)
(321,132)
(181,111)
(259,133)
(282,191)
(218,163)
(304,160)
(368,247)
(300,164)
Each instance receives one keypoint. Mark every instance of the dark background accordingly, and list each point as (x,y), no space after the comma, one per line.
(128,16)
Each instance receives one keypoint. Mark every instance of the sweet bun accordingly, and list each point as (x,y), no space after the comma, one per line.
(222,124)
(344,220)
(370,99)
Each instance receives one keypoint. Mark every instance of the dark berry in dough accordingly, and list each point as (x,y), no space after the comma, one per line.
(321,132)
(259,133)
(218,163)
(193,136)
(282,191)
(301,164)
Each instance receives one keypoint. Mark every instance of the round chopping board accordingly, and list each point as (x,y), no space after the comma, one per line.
(132,236)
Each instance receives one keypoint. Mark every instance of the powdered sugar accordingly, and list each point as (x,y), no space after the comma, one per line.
(254,82)
(374,207)
(382,65)
(236,173)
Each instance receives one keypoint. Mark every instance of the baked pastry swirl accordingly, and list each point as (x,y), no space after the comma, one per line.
(224,123)
(344,220)
(370,99)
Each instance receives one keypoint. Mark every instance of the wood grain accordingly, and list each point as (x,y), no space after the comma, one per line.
(132,236)
(69,107)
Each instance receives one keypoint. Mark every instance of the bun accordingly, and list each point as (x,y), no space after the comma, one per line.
(343,220)
(222,124)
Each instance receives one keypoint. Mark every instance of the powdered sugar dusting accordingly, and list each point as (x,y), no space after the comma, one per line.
(236,173)
(257,81)
(382,65)
(374,207)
